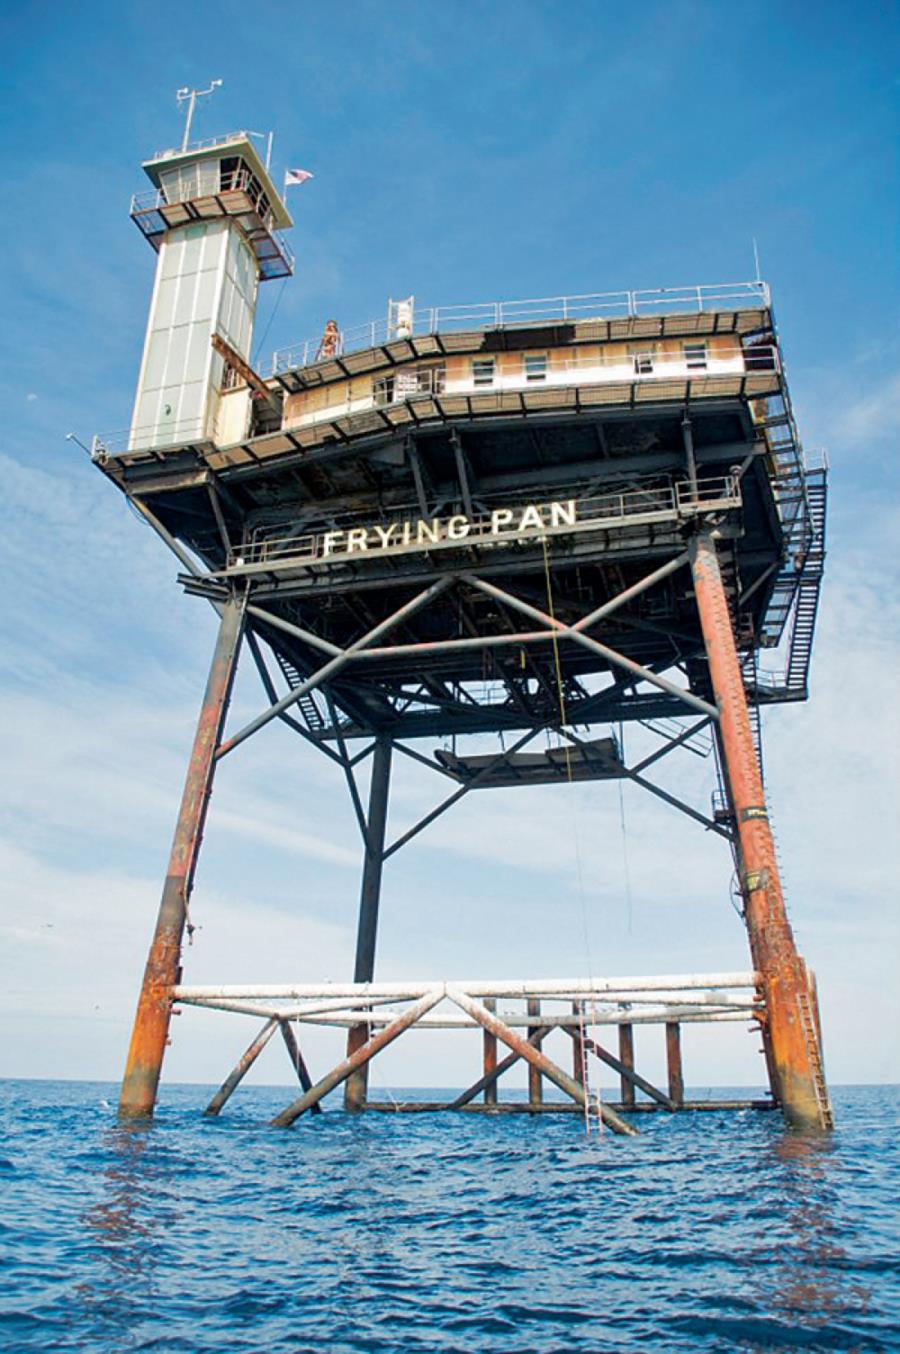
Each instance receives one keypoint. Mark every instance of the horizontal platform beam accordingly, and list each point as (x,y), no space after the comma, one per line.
(557,1107)
(480,987)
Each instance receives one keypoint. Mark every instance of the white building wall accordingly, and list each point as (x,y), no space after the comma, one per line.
(206,282)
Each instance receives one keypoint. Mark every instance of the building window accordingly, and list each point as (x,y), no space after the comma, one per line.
(535,366)
(431,380)
(483,371)
(384,390)
(695,356)
(642,359)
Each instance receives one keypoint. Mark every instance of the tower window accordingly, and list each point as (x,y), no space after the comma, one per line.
(642,359)
(431,380)
(383,390)
(535,366)
(695,356)
(483,371)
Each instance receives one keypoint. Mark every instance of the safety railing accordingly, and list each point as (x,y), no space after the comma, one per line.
(149,211)
(540,310)
(147,437)
(240,181)
(502,526)
(210,143)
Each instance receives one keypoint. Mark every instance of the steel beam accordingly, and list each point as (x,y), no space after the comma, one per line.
(358,1059)
(336,663)
(673,1063)
(791,1025)
(629,1077)
(163,971)
(533,1056)
(298,1062)
(626,1057)
(241,1068)
(370,896)
(612,656)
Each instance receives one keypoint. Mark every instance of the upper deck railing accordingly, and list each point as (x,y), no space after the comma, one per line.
(211,142)
(423,320)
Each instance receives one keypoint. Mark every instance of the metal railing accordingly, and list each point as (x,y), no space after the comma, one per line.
(173,152)
(240,181)
(405,535)
(540,310)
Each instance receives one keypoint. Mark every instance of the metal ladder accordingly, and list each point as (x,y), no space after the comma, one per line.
(811,1035)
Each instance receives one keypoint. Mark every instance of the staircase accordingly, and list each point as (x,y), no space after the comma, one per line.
(802,499)
(307,703)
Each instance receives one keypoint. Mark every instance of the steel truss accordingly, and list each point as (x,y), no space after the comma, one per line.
(787,1008)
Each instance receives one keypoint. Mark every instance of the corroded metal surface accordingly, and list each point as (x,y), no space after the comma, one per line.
(790,1030)
(151,1024)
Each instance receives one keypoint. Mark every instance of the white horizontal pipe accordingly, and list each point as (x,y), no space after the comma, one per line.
(653,1016)
(548,987)
(340,1018)
(251,1007)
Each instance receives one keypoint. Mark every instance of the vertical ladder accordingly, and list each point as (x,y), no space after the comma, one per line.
(811,1035)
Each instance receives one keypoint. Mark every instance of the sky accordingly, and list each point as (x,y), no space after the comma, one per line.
(462,152)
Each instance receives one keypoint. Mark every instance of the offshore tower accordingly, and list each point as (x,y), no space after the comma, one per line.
(472,521)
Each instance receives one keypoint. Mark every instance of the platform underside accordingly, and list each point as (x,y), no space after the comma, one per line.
(248,513)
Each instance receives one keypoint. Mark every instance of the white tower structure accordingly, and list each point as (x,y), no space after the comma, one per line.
(214,217)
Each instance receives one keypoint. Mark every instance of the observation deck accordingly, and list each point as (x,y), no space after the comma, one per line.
(208,180)
(574,436)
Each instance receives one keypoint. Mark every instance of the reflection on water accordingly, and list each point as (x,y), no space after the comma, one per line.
(440,1234)
(804,1282)
(126,1222)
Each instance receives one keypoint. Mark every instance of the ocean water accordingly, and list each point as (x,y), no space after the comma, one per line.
(441,1233)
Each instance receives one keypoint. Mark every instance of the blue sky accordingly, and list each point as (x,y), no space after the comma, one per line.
(461,152)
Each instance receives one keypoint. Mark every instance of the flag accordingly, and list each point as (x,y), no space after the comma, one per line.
(296,176)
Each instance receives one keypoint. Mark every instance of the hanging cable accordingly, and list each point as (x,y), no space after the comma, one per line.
(265,333)
(590,1097)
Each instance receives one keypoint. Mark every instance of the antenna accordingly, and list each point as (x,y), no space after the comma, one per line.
(190,96)
(756,260)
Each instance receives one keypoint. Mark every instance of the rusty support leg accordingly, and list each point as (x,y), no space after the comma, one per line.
(151,1024)
(535,1081)
(673,1063)
(298,1060)
(357,1085)
(489,1057)
(795,1066)
(241,1068)
(626,1057)
(578,1058)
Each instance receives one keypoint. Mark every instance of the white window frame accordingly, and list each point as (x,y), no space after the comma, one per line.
(432,380)
(696,354)
(643,358)
(383,388)
(479,380)
(535,375)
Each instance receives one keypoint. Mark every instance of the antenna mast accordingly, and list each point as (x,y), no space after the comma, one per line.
(190,96)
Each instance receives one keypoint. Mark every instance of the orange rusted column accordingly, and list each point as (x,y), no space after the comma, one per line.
(791,1033)
(154,1012)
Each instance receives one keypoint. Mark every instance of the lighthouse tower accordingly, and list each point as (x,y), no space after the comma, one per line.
(214,218)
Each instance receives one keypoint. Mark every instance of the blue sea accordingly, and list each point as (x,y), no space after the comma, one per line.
(450,1233)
